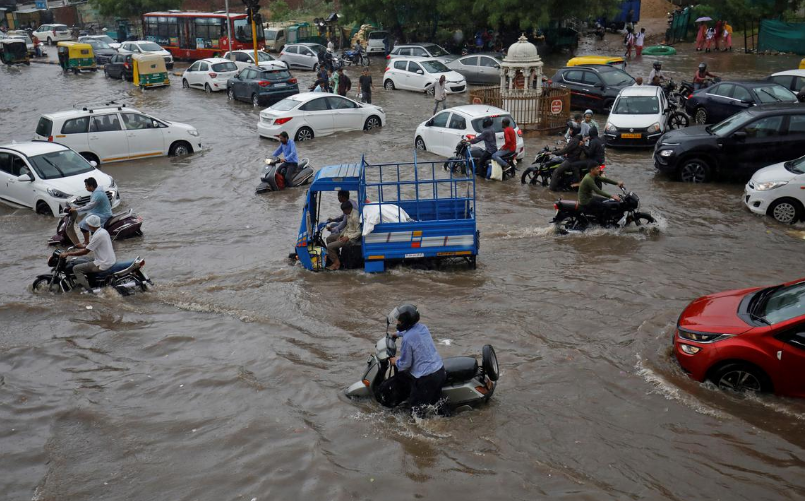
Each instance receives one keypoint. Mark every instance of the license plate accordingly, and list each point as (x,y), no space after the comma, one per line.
(631,136)
(283,84)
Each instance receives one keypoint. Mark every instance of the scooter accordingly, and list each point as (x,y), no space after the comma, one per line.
(459,161)
(614,213)
(120,226)
(273,177)
(467,383)
(127,277)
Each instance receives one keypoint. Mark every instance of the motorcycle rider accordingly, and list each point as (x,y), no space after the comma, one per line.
(591,197)
(487,135)
(419,362)
(594,150)
(290,159)
(509,144)
(577,119)
(101,245)
(98,205)
(572,152)
(656,72)
(700,76)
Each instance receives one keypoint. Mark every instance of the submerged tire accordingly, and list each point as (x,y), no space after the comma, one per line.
(742,377)
(694,170)
(42,284)
(786,210)
(489,361)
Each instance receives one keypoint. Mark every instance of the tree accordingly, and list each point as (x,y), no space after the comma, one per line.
(279,10)
(133,8)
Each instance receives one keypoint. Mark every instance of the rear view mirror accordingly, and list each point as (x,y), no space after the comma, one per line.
(429,123)
(739,136)
(420,72)
(26,177)
(93,163)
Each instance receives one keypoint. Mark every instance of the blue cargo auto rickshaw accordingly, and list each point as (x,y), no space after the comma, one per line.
(410,212)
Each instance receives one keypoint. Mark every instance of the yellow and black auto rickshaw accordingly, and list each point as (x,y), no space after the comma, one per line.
(14,51)
(76,57)
(149,71)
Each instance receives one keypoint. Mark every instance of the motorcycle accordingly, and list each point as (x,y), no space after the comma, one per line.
(614,213)
(273,178)
(355,57)
(467,384)
(120,226)
(600,31)
(126,277)
(542,169)
(465,150)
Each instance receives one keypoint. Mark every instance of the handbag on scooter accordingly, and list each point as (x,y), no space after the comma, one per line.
(495,171)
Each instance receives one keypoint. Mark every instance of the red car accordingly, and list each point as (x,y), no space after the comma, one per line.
(746,340)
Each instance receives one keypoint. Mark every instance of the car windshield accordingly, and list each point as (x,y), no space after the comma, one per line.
(284,105)
(271,34)
(497,123)
(637,105)
(728,126)
(434,67)
(784,303)
(106,39)
(796,166)
(436,51)
(60,164)
(223,67)
(774,94)
(98,44)
(150,47)
(377,35)
(263,57)
(616,78)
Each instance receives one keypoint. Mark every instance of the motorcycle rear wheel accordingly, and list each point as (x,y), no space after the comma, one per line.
(568,224)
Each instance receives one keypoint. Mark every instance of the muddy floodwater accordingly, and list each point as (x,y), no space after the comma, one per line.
(226,381)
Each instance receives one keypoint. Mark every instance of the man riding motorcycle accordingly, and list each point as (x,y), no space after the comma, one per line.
(588,189)
(700,76)
(101,245)
(487,135)
(594,150)
(656,73)
(98,205)
(572,152)
(290,162)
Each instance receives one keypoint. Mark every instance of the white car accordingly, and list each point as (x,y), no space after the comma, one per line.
(245,58)
(305,116)
(778,191)
(442,133)
(304,56)
(111,42)
(209,74)
(52,33)
(426,50)
(421,74)
(43,176)
(637,117)
(793,80)
(114,133)
(146,47)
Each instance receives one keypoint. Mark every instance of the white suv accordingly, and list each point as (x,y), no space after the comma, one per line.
(421,74)
(114,133)
(245,58)
(52,33)
(44,176)
(146,47)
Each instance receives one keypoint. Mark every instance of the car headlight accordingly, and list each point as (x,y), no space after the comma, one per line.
(610,128)
(769,185)
(703,337)
(655,127)
(666,153)
(690,350)
(112,182)
(57,193)
(193,132)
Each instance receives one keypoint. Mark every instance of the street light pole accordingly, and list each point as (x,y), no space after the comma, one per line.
(229,31)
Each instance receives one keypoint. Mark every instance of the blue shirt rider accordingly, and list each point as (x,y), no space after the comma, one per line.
(290,162)
(98,205)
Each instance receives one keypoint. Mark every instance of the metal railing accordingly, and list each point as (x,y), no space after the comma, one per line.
(547,113)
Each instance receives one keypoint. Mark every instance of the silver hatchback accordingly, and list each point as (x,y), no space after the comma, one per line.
(422,50)
(478,68)
(306,56)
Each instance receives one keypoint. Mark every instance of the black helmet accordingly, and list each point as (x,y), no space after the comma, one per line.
(657,65)
(702,66)
(573,127)
(593,132)
(405,317)
(486,123)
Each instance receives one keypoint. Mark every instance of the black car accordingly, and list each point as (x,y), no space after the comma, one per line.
(593,87)
(261,86)
(103,51)
(119,66)
(737,147)
(724,99)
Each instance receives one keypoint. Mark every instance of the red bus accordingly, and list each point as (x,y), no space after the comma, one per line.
(198,35)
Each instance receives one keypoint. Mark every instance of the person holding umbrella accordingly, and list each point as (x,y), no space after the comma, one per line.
(701,35)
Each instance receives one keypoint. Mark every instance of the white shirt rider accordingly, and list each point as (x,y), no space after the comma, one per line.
(101,245)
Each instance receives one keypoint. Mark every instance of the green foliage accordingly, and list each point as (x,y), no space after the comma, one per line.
(133,8)
(738,11)
(279,10)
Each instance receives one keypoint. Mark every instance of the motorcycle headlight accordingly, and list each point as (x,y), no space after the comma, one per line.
(610,128)
(769,185)
(666,153)
(193,132)
(57,193)
(655,127)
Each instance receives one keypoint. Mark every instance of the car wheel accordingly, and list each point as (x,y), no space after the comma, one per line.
(431,91)
(180,149)
(106,73)
(388,84)
(50,41)
(741,378)
(230,94)
(255,100)
(700,117)
(371,123)
(316,68)
(90,157)
(304,134)
(419,143)
(43,208)
(694,170)
(207,89)
(185,85)
(786,210)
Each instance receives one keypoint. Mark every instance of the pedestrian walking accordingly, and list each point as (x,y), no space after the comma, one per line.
(344,83)
(628,41)
(366,86)
(440,94)
(709,37)
(639,39)
(717,38)
(727,35)
(700,36)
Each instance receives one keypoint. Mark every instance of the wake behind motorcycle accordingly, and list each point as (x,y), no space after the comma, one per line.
(273,175)
(613,213)
(120,226)
(126,277)
(467,383)
(458,161)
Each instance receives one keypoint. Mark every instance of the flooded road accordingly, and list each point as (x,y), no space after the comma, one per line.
(226,382)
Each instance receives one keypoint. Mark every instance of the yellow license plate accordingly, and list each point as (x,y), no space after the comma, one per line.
(631,136)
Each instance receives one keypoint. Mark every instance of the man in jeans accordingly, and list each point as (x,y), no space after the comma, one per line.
(336,225)
(440,94)
(509,143)
(98,205)
(365,82)
(349,235)
(101,245)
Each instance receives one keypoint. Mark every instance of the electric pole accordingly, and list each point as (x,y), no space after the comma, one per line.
(253,9)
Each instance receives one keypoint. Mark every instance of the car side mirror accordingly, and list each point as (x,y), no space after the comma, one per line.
(25,178)
(739,136)
(93,163)
(429,123)
(420,72)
